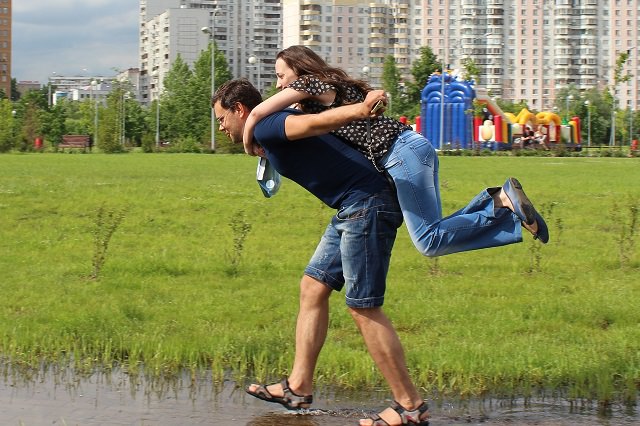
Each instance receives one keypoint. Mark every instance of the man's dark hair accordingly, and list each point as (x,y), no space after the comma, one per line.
(234,91)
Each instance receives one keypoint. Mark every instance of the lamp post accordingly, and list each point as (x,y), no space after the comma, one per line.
(629,51)
(588,105)
(156,80)
(125,96)
(13,125)
(630,126)
(211,31)
(94,87)
(365,72)
(612,139)
(255,62)
(568,99)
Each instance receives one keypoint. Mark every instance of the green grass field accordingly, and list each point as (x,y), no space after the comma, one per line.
(181,288)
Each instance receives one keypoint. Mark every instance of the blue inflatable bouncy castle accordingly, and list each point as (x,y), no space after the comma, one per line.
(457,131)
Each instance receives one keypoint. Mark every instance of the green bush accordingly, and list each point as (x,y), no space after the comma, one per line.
(148,142)
(185,145)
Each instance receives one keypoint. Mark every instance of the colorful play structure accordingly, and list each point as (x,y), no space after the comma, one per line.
(450,123)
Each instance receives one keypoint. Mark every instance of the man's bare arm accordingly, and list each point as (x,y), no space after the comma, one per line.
(307,125)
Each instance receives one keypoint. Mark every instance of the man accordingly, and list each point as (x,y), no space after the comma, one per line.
(354,251)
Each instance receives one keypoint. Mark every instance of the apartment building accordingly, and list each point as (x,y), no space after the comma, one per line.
(530,49)
(356,35)
(249,33)
(79,88)
(5,47)
(527,50)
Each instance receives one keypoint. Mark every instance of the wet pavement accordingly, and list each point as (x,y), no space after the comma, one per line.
(113,400)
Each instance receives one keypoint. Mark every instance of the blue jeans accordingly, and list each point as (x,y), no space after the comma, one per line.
(356,249)
(412,163)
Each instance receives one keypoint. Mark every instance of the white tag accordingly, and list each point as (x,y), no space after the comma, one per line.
(262,166)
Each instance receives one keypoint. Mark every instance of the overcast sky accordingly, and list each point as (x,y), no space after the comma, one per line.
(73,37)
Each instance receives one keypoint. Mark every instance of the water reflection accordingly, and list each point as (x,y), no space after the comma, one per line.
(279,419)
(60,397)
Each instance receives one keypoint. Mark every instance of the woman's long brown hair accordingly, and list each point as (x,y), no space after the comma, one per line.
(303,61)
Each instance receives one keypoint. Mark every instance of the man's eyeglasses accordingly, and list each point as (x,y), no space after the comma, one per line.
(223,118)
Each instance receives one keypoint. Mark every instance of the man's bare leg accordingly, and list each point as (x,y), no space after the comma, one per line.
(386,350)
(311,332)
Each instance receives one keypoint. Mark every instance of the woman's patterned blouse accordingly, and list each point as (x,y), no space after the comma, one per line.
(373,138)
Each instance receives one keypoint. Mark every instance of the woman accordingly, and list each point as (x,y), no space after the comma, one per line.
(540,137)
(493,218)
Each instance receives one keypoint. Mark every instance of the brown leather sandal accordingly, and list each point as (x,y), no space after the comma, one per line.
(407,417)
(289,400)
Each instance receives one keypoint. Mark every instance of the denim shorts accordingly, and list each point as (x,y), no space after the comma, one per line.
(356,249)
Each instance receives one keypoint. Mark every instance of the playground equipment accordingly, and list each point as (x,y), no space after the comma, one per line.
(456,129)
(447,118)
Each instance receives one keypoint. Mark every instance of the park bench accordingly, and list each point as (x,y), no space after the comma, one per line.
(75,141)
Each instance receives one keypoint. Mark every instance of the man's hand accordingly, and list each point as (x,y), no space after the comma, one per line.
(253,149)
(307,125)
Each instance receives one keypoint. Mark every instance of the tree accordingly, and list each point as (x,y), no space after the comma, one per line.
(135,121)
(391,84)
(471,70)
(175,100)
(512,107)
(185,104)
(599,112)
(15,95)
(566,100)
(30,115)
(200,94)
(111,120)
(201,89)
(6,125)
(54,123)
(148,140)
(618,77)
(421,71)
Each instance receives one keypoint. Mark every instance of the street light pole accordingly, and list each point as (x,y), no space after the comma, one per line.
(630,126)
(612,139)
(569,98)
(13,125)
(588,104)
(156,82)
(124,122)
(94,87)
(629,51)
(256,62)
(365,72)
(211,31)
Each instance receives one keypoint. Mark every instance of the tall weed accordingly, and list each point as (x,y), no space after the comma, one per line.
(240,229)
(106,223)
(625,223)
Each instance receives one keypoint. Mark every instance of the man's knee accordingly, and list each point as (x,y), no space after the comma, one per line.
(311,288)
(362,315)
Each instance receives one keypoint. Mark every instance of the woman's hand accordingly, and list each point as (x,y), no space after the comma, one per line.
(375,103)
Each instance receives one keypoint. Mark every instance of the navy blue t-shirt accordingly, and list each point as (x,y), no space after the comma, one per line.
(324,165)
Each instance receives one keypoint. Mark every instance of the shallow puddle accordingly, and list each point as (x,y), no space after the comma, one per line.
(114,400)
